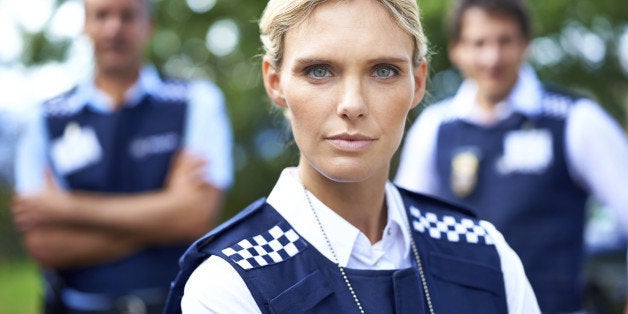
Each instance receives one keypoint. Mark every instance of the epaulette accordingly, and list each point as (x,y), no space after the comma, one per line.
(60,104)
(232,222)
(439,202)
(557,101)
(172,91)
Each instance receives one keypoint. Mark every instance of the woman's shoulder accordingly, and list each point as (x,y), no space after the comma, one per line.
(215,286)
(209,254)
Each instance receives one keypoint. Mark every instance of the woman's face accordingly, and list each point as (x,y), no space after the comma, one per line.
(348,83)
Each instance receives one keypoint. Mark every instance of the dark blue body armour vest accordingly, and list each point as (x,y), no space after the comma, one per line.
(138,143)
(463,270)
(540,213)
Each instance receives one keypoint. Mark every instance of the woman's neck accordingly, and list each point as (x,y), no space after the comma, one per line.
(363,204)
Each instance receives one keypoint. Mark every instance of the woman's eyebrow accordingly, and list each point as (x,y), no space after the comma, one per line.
(309,61)
(389,60)
(383,59)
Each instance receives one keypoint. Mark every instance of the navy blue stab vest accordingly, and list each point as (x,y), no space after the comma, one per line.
(541,215)
(463,272)
(138,144)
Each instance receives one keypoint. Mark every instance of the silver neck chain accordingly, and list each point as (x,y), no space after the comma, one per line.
(415,252)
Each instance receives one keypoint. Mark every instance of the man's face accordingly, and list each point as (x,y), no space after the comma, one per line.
(119,29)
(490,51)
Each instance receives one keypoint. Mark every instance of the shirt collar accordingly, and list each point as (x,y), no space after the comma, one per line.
(397,215)
(288,198)
(524,97)
(87,94)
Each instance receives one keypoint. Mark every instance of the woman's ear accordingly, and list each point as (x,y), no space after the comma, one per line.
(272,83)
(420,80)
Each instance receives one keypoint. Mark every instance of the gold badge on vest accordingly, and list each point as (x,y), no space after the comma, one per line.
(464,172)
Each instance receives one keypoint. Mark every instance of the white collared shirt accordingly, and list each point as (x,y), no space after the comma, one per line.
(353,248)
(216,287)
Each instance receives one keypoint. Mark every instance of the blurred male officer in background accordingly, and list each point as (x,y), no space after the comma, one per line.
(524,155)
(115,177)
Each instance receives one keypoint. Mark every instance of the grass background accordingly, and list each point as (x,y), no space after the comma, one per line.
(20,287)
(20,284)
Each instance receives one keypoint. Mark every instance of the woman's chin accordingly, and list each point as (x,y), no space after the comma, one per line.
(346,173)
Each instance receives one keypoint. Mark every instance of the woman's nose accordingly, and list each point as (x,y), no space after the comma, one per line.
(352,104)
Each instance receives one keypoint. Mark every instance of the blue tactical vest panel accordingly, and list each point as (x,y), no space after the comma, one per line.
(286,274)
(138,143)
(540,213)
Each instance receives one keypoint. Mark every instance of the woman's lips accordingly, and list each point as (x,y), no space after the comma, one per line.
(349,142)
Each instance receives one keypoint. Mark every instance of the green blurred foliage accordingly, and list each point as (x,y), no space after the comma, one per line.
(20,288)
(10,245)
(179,49)
(605,82)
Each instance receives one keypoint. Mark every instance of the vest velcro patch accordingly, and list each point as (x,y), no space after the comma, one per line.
(273,246)
(449,228)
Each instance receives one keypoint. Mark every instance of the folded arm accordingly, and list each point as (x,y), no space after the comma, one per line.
(63,229)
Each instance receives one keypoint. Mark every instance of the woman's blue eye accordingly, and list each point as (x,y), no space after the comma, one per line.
(384,72)
(319,72)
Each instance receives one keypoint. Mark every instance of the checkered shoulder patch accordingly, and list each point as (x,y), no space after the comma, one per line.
(276,245)
(449,228)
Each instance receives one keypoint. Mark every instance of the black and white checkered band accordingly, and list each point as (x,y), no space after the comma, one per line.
(449,228)
(273,246)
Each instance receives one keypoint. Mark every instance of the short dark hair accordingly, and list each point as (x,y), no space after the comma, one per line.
(513,8)
(148,4)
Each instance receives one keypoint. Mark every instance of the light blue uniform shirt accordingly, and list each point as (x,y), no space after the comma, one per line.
(207,129)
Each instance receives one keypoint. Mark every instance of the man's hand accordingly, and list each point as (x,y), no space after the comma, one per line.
(198,201)
(186,173)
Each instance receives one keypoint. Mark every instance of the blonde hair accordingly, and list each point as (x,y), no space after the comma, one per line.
(280,15)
